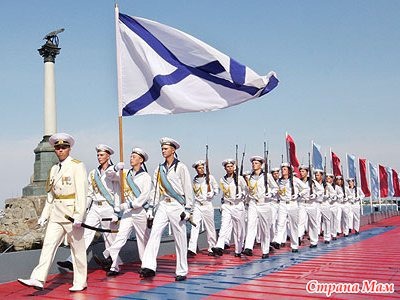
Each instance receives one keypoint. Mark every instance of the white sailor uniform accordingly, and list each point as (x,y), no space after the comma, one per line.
(355,206)
(168,210)
(203,210)
(67,196)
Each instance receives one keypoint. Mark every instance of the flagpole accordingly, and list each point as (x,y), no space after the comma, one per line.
(379,187)
(120,129)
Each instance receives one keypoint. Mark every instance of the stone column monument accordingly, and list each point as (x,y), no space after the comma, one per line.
(45,157)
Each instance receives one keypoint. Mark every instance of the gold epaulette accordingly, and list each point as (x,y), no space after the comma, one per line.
(76,161)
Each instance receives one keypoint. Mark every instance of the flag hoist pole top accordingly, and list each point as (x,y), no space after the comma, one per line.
(121,142)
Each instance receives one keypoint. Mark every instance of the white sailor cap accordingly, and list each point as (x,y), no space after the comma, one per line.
(257,158)
(338,177)
(104,148)
(285,164)
(350,179)
(170,142)
(275,169)
(329,175)
(318,171)
(246,173)
(197,163)
(303,167)
(61,139)
(140,152)
(228,161)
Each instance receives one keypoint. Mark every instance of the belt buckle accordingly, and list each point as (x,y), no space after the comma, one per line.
(287,201)
(99,203)
(168,200)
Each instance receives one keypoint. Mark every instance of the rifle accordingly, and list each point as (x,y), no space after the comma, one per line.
(310,180)
(236,174)
(207,172)
(343,185)
(266,167)
(290,169)
(241,163)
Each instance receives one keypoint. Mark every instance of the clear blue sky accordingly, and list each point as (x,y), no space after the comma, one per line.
(338,63)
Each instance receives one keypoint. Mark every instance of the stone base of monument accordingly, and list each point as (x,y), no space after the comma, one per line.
(18,226)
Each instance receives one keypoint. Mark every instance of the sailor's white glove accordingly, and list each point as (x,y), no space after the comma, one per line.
(119,166)
(149,214)
(210,195)
(188,215)
(117,209)
(313,196)
(77,224)
(268,195)
(42,221)
(295,196)
(124,206)
(239,196)
(334,198)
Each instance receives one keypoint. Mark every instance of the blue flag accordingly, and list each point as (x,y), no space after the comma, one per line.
(351,165)
(317,156)
(162,70)
(373,174)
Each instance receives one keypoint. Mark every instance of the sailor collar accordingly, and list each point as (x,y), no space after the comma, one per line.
(136,173)
(174,163)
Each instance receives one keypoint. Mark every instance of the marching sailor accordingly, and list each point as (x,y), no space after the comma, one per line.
(332,193)
(355,196)
(203,208)
(290,189)
(103,201)
(309,205)
(324,192)
(137,188)
(340,203)
(274,204)
(66,196)
(260,211)
(173,203)
(232,209)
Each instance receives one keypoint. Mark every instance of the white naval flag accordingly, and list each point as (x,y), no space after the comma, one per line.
(162,70)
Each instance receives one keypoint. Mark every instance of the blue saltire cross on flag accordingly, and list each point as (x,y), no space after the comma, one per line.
(162,70)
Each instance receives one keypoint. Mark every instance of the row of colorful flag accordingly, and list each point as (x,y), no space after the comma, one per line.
(383,181)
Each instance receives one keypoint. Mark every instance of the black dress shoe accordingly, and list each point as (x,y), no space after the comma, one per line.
(248,252)
(295,250)
(276,245)
(145,273)
(104,263)
(66,265)
(313,246)
(112,273)
(283,245)
(327,242)
(227,246)
(210,253)
(264,256)
(180,278)
(356,232)
(334,238)
(345,235)
(217,251)
(191,254)
(238,254)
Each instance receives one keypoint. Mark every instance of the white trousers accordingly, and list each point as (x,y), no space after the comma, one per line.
(313,219)
(94,218)
(133,219)
(346,218)
(259,217)
(167,212)
(356,208)
(288,215)
(336,211)
(274,217)
(203,212)
(326,213)
(232,220)
(55,233)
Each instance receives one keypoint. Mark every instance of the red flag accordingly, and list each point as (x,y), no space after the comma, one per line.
(292,154)
(336,165)
(383,182)
(396,185)
(363,176)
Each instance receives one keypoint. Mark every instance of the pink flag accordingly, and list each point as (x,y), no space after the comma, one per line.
(336,165)
(363,177)
(396,185)
(292,153)
(383,182)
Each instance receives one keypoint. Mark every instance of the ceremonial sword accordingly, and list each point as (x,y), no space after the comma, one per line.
(91,227)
